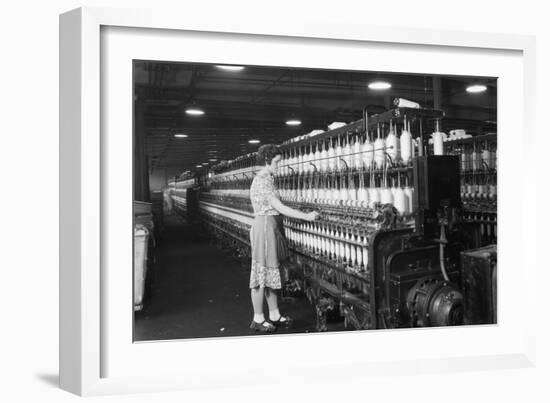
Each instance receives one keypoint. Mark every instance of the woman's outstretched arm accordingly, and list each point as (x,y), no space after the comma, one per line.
(290,212)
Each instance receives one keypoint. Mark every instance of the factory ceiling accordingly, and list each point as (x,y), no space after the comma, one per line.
(254,103)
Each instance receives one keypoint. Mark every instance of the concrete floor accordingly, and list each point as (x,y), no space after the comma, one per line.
(199,290)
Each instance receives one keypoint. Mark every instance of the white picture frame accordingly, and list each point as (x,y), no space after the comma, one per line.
(86,176)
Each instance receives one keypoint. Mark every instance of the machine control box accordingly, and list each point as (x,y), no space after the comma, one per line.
(479,284)
(437,182)
(437,191)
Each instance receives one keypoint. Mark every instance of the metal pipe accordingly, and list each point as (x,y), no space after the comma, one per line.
(442,242)
(365,120)
(421,150)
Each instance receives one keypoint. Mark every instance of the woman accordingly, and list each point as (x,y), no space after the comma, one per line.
(267,241)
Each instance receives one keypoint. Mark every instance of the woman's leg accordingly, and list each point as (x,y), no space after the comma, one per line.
(274,315)
(257,296)
(271,297)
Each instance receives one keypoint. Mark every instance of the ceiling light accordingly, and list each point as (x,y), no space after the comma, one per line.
(213,160)
(198,166)
(229,68)
(194,111)
(293,122)
(253,141)
(476,88)
(180,135)
(379,85)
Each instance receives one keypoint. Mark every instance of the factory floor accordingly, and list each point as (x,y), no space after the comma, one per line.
(199,290)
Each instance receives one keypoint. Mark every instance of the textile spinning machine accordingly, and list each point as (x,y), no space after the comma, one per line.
(397,243)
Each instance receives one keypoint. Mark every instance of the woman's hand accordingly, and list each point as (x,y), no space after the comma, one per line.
(290,212)
(312,216)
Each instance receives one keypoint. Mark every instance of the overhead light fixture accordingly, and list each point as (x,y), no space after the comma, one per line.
(194,111)
(180,135)
(476,88)
(213,160)
(253,141)
(198,166)
(379,85)
(229,68)
(293,122)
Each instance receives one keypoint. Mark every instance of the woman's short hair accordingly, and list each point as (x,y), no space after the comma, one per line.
(266,153)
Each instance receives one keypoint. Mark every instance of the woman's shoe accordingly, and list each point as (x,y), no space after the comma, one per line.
(282,321)
(265,326)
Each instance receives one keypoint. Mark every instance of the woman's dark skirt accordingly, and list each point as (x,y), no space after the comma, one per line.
(269,251)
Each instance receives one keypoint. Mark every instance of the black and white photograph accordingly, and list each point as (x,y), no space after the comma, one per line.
(240,201)
(273,200)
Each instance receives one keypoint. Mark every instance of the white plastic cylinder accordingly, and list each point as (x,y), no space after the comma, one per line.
(316,158)
(400,201)
(437,138)
(343,196)
(357,160)
(379,153)
(405,103)
(386,196)
(323,162)
(408,191)
(368,155)
(362,196)
(374,197)
(405,142)
(338,155)
(365,256)
(486,158)
(347,156)
(464,161)
(347,252)
(310,158)
(476,160)
(335,195)
(392,146)
(331,162)
(352,194)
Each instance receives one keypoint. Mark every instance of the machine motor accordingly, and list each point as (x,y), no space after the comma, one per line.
(435,302)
